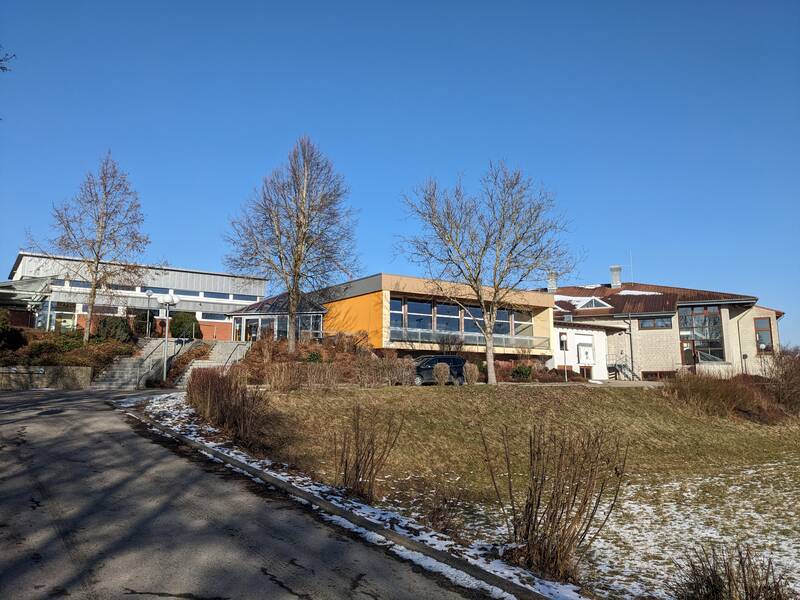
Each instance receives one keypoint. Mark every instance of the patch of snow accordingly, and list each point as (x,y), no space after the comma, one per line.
(637,293)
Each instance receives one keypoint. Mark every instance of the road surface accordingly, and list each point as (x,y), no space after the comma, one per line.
(93,506)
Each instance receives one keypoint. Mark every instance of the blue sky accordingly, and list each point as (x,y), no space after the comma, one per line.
(669,132)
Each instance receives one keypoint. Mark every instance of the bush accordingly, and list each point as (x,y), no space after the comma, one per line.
(223,399)
(521,372)
(471,373)
(398,371)
(721,574)
(362,448)
(441,372)
(11,338)
(722,397)
(783,372)
(314,357)
(184,325)
(284,376)
(572,486)
(114,328)
(320,374)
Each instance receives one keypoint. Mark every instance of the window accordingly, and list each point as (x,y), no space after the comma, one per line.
(396,313)
(187,293)
(656,323)
(122,287)
(562,343)
(77,283)
(58,282)
(212,317)
(473,319)
(593,303)
(246,297)
(523,324)
(448,317)
(418,314)
(502,323)
(220,295)
(157,290)
(702,325)
(309,324)
(763,334)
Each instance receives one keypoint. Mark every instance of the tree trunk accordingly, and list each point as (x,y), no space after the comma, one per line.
(89,313)
(491,378)
(292,321)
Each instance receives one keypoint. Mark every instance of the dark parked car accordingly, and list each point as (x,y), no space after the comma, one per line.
(425,366)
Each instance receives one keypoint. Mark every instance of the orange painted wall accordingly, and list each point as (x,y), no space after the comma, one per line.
(360,313)
(216,330)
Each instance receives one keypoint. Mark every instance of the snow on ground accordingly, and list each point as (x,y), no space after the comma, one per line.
(657,522)
(172,411)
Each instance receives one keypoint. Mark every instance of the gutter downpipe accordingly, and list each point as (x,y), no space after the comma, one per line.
(629,322)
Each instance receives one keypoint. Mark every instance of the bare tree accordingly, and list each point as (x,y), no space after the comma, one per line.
(100,226)
(5,58)
(483,248)
(296,231)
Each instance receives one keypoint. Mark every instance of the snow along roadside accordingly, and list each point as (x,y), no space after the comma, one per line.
(492,576)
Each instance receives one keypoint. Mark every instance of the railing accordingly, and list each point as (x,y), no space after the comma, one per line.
(235,349)
(397,334)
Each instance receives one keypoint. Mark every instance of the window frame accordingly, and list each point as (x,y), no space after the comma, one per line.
(654,327)
(770,348)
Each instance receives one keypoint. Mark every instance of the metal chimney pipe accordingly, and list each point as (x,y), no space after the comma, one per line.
(616,276)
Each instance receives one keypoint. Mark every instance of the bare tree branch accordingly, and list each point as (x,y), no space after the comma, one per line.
(101,227)
(494,242)
(296,231)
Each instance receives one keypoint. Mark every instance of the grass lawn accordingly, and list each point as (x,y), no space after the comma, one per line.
(692,477)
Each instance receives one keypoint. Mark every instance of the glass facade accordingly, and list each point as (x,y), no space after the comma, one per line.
(253,327)
(702,327)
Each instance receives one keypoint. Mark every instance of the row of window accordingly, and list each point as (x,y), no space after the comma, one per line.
(407,313)
(77,283)
(252,328)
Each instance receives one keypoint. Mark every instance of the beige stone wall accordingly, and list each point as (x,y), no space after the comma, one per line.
(61,378)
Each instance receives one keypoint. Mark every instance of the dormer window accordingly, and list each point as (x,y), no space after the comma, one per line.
(593,302)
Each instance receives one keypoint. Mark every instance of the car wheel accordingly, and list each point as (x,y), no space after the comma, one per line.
(418,380)
(460,381)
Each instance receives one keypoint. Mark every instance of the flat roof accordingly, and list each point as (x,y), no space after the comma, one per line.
(23,253)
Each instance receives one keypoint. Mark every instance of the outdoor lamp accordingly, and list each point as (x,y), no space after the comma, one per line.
(563,338)
(149,294)
(166,300)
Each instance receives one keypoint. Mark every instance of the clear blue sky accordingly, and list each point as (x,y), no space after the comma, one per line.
(667,130)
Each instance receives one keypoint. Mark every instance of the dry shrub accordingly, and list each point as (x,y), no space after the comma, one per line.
(441,372)
(718,573)
(441,507)
(223,399)
(321,374)
(368,371)
(399,371)
(723,397)
(471,373)
(362,447)
(345,343)
(284,376)
(572,486)
(783,371)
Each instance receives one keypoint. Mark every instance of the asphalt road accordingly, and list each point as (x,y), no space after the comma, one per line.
(94,506)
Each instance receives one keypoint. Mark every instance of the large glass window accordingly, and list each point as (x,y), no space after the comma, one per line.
(220,295)
(187,293)
(396,312)
(246,297)
(212,316)
(309,325)
(157,290)
(656,323)
(122,287)
(502,322)
(419,314)
(763,327)
(523,324)
(702,325)
(447,317)
(77,283)
(473,319)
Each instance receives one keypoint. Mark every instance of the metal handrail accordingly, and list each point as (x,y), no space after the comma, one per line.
(235,348)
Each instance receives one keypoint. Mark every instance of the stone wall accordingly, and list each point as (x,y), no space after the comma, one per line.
(57,377)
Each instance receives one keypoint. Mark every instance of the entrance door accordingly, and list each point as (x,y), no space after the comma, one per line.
(269,327)
(250,330)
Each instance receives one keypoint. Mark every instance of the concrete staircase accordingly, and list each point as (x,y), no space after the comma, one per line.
(223,354)
(126,372)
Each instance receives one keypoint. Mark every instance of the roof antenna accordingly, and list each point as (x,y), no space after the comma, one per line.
(630,254)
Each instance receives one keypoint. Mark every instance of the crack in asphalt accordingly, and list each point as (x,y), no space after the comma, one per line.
(274,579)
(357,582)
(185,595)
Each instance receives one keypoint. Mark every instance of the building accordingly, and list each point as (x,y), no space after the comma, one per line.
(50,293)
(408,315)
(667,329)
(582,348)
(270,317)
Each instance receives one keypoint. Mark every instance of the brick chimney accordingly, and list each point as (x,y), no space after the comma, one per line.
(616,276)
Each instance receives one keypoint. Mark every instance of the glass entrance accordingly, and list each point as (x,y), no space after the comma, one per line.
(251,330)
